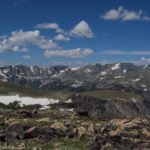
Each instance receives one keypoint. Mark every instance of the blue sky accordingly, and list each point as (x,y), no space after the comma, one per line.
(74,32)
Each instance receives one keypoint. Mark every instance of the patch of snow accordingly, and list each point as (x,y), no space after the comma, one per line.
(101,78)
(124,71)
(103,73)
(44,102)
(49,72)
(145,89)
(78,82)
(1,73)
(4,80)
(75,69)
(68,101)
(4,77)
(76,85)
(55,75)
(117,77)
(144,86)
(61,109)
(116,66)
(19,76)
(88,70)
(5,71)
(69,110)
(62,71)
(145,66)
(135,80)
(31,68)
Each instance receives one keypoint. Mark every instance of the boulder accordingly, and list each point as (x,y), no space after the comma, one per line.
(140,121)
(59,126)
(146,132)
(90,129)
(115,132)
(107,146)
(118,122)
(31,133)
(80,131)
(1,116)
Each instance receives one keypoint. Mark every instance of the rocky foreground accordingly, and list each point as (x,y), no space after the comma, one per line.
(62,130)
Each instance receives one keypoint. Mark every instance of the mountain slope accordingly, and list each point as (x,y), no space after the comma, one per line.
(121,76)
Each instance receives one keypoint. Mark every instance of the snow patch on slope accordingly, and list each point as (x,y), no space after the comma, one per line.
(135,80)
(88,70)
(116,66)
(75,69)
(103,73)
(44,102)
(117,77)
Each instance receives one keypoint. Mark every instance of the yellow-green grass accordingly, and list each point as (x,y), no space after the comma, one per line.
(11,89)
(111,94)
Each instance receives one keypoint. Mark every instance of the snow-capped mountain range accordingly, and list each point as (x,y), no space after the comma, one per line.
(123,76)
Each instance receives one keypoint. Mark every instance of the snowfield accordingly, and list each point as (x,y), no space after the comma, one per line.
(135,80)
(116,66)
(75,69)
(44,102)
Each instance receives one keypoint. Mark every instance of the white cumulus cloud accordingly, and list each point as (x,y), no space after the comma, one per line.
(82,29)
(124,14)
(78,52)
(53,26)
(20,40)
(61,37)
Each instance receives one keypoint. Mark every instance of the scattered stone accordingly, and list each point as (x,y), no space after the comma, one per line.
(129,134)
(115,132)
(91,129)
(25,113)
(81,132)
(31,133)
(13,123)
(119,122)
(59,126)
(146,133)
(1,116)
(107,146)
(43,120)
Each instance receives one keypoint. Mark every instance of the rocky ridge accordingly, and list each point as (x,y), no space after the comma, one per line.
(124,76)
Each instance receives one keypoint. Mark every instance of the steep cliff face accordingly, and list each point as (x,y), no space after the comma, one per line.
(112,107)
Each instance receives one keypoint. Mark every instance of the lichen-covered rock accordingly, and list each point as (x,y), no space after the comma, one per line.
(59,126)
(80,131)
(131,134)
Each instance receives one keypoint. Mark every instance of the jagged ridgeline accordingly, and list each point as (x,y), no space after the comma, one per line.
(119,76)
